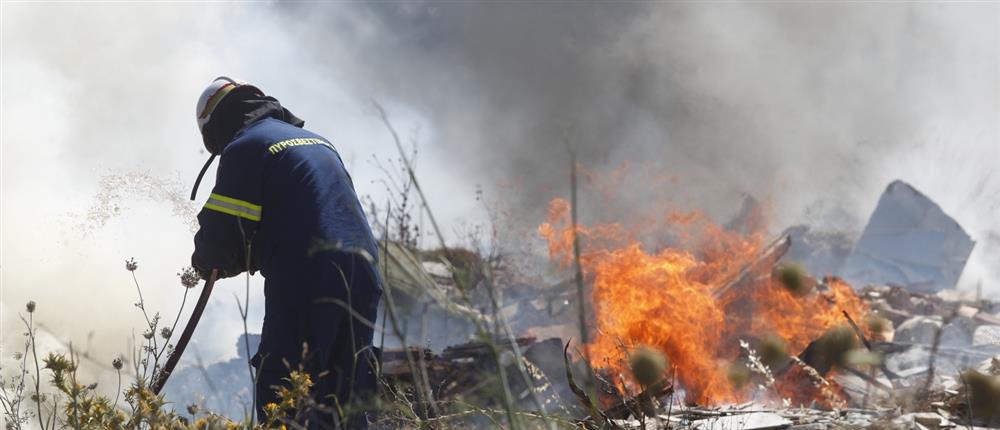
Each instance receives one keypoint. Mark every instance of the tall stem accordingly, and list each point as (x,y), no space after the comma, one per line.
(118,392)
(581,295)
(166,342)
(151,326)
(577,266)
(244,311)
(38,370)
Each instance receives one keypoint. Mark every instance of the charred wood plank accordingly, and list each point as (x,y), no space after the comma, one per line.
(626,407)
(764,262)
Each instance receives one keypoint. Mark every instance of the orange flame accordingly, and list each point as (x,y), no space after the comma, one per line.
(669,299)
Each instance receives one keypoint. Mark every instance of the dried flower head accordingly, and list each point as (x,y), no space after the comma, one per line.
(189,277)
(738,374)
(117,363)
(648,365)
(879,327)
(984,396)
(30,306)
(793,278)
(772,350)
(863,357)
(165,332)
(148,335)
(835,344)
(131,265)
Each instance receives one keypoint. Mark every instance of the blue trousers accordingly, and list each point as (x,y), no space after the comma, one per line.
(308,327)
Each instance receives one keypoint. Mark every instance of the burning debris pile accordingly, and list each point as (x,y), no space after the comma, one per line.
(748,338)
(919,362)
(904,360)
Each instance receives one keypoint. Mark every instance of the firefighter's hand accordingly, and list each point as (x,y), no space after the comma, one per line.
(222,273)
(204,268)
(204,273)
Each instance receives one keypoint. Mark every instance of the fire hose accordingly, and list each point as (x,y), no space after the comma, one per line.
(175,355)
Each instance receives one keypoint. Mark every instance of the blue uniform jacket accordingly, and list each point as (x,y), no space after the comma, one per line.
(283,193)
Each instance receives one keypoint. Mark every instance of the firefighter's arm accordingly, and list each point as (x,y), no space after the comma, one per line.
(229,220)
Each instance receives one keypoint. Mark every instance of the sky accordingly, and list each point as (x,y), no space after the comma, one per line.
(814,106)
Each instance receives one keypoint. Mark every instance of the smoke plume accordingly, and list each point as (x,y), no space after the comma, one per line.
(816,107)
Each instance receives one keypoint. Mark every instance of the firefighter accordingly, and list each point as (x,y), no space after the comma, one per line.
(283,204)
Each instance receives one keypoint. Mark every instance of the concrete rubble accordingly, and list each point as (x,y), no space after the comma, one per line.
(909,241)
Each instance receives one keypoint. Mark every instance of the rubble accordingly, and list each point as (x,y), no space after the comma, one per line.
(918,329)
(469,370)
(909,241)
(821,252)
(986,335)
(958,332)
(750,421)
(425,297)
(752,416)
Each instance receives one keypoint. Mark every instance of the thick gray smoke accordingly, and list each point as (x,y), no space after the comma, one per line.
(814,106)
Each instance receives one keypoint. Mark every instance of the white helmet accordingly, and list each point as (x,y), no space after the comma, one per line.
(214,94)
(209,100)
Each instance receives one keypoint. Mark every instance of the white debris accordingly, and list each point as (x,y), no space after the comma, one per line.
(919,329)
(958,332)
(437,269)
(986,335)
(750,421)
(909,241)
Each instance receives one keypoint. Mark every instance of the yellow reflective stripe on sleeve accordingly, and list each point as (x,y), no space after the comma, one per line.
(231,206)
(237,202)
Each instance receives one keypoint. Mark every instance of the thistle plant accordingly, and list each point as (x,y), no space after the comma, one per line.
(773,352)
(983,392)
(738,374)
(835,345)
(793,278)
(648,365)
